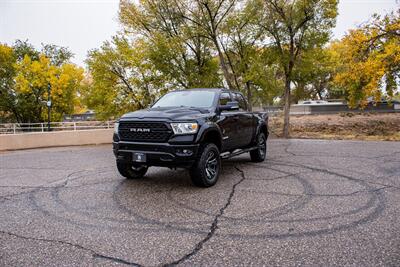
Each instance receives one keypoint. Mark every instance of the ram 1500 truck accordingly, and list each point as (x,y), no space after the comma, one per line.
(194,129)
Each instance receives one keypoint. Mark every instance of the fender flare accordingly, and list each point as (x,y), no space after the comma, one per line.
(207,128)
(260,124)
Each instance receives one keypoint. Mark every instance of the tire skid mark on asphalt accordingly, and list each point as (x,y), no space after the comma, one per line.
(286,149)
(395,172)
(67,243)
(290,164)
(276,178)
(139,220)
(272,219)
(286,146)
(299,202)
(377,202)
(367,205)
(318,195)
(42,187)
(214,224)
(62,219)
(326,171)
(377,197)
(65,180)
(196,249)
(279,211)
(56,197)
(144,220)
(36,168)
(375,214)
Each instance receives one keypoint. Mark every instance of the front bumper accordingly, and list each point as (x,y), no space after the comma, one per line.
(157,154)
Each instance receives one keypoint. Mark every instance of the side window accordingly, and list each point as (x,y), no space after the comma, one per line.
(224,98)
(242,103)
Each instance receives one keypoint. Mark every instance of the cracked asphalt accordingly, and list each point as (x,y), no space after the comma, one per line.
(312,203)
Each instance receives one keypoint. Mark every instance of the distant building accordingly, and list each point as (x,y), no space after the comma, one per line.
(87,116)
(325,107)
(321,102)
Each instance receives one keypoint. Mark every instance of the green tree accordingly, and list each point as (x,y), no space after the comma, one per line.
(184,35)
(176,47)
(253,45)
(57,55)
(313,75)
(24,48)
(208,18)
(238,45)
(122,78)
(294,26)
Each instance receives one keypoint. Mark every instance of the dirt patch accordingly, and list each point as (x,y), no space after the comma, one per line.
(349,126)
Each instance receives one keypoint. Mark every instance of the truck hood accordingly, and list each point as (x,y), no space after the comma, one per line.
(170,113)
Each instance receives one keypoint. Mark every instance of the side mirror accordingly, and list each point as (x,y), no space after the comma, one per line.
(230,106)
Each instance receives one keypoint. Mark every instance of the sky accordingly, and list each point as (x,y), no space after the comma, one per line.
(82,25)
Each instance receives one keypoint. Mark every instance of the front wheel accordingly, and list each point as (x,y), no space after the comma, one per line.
(130,171)
(259,154)
(205,171)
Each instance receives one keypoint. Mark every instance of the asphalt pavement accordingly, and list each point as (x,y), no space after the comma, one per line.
(311,203)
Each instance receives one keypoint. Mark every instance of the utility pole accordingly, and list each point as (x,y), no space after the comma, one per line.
(48,106)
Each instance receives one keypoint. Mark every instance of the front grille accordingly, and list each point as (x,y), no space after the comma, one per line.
(144,131)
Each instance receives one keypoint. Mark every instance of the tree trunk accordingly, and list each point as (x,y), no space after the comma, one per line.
(249,96)
(286,109)
(319,95)
(223,64)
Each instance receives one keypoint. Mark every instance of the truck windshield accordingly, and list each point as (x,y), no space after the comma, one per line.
(197,99)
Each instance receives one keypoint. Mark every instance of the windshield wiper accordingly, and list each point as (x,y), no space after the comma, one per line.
(201,110)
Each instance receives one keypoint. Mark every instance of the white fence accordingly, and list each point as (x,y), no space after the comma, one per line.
(19,128)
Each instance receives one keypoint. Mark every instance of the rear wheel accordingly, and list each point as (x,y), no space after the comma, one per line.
(130,171)
(205,171)
(259,154)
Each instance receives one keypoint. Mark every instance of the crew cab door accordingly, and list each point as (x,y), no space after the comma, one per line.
(227,124)
(244,122)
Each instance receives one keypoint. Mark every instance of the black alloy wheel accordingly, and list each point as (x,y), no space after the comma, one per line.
(259,154)
(205,171)
(211,165)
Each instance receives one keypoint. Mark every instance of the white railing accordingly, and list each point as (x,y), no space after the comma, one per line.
(17,128)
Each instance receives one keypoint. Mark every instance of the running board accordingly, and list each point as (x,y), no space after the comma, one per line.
(227,155)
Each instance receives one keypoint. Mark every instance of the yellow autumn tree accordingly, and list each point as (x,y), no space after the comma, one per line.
(369,60)
(7,73)
(25,76)
(32,81)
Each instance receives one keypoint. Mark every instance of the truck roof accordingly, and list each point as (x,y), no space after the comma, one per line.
(207,89)
(199,89)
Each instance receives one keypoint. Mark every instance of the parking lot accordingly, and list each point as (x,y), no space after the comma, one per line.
(311,202)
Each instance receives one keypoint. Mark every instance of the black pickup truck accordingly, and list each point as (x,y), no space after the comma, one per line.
(192,129)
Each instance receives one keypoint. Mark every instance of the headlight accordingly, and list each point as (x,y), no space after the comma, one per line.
(116,125)
(184,128)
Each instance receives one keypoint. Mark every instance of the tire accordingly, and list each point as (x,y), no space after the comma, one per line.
(130,172)
(259,154)
(205,171)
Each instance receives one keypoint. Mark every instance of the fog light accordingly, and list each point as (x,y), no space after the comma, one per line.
(184,152)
